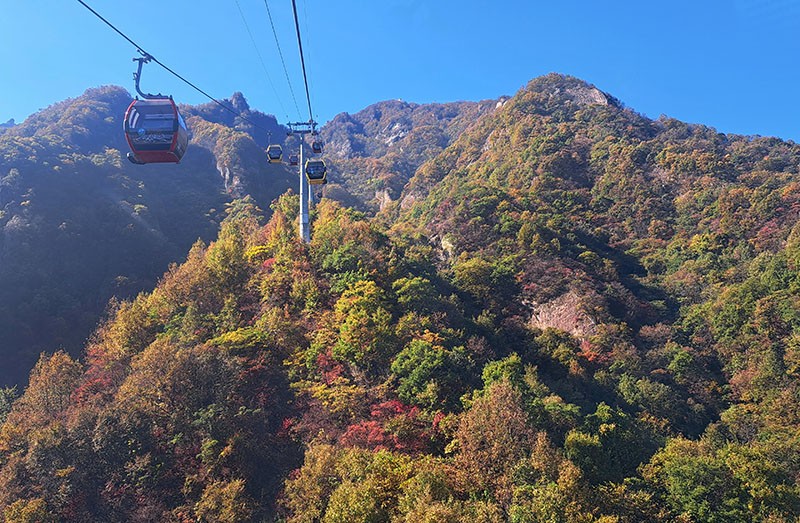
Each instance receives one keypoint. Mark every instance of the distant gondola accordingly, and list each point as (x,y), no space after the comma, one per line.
(316,146)
(316,172)
(155,131)
(294,160)
(274,153)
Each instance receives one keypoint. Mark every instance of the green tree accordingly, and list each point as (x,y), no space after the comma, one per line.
(306,493)
(224,502)
(493,437)
(697,484)
(29,511)
(7,397)
(610,445)
(365,333)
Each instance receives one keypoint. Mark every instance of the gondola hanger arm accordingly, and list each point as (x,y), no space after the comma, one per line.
(137,76)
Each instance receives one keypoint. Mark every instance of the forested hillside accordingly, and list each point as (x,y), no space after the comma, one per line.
(570,312)
(80,224)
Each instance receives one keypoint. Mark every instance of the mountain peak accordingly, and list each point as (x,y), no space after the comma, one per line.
(239,102)
(572,89)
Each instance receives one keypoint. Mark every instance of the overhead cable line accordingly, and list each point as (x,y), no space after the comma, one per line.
(263,66)
(309,42)
(280,53)
(154,59)
(302,60)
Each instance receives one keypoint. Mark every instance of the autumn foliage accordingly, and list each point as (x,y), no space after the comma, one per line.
(572,313)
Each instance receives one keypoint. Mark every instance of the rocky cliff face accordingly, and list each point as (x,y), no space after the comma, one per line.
(373,153)
(565,313)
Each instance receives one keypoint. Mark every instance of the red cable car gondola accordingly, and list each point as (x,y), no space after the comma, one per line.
(155,131)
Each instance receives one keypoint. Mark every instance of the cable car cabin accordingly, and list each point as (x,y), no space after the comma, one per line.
(155,131)
(294,160)
(316,147)
(274,153)
(316,172)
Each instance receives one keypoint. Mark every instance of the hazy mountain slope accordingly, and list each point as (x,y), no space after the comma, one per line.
(81,224)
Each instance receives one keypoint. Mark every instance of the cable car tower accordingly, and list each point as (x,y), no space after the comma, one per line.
(313,171)
(316,176)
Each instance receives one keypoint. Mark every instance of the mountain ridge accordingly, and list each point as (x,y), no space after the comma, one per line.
(568,312)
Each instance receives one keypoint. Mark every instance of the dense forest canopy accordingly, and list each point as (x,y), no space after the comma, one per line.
(563,311)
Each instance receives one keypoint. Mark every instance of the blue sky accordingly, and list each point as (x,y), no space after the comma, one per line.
(733,65)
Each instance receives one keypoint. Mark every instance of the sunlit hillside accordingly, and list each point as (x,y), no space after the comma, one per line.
(544,308)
